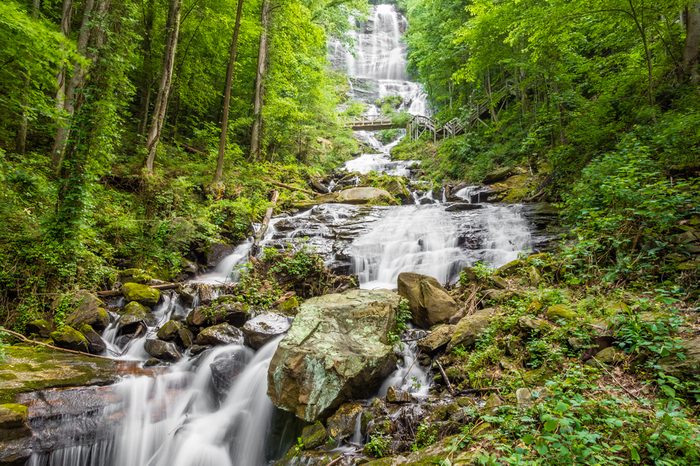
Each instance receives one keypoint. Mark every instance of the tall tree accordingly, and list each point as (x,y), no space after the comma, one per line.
(260,82)
(691,51)
(21,139)
(146,85)
(161,105)
(67,96)
(227,93)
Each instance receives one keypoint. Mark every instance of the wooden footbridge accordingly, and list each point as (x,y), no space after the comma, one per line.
(419,124)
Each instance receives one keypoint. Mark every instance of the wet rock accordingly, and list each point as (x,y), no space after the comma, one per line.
(136,309)
(168,332)
(437,340)
(197,349)
(470,328)
(560,311)
(343,422)
(313,436)
(220,334)
(131,326)
(39,327)
(499,174)
(689,366)
(185,337)
(288,305)
(96,345)
(394,395)
(225,369)
(462,206)
(141,293)
(15,434)
(217,252)
(88,310)
(163,350)
(429,302)
(263,328)
(336,349)
(69,338)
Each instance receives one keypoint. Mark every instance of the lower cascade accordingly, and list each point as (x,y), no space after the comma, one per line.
(213,408)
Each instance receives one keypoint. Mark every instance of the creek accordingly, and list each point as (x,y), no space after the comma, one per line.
(176,417)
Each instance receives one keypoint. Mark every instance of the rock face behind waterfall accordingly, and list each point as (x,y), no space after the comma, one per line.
(336,349)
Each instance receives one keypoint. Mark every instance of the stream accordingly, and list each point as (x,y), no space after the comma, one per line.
(176,418)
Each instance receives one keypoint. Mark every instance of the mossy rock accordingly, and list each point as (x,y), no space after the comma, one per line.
(13,415)
(609,356)
(135,276)
(143,294)
(169,330)
(86,308)
(313,436)
(136,309)
(31,368)
(96,345)
(39,327)
(69,338)
(560,311)
(289,307)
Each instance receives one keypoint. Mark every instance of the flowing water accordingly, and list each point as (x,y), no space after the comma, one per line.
(176,418)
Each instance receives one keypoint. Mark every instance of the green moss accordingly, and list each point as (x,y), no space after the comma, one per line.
(141,293)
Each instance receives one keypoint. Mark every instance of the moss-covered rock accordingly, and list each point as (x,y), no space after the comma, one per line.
(168,332)
(69,338)
(86,308)
(342,423)
(289,306)
(560,311)
(220,334)
(224,309)
(30,368)
(143,294)
(689,366)
(135,276)
(136,309)
(39,327)
(437,339)
(610,356)
(96,345)
(163,350)
(313,436)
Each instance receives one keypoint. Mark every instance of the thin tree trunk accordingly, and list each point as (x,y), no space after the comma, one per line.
(259,83)
(227,94)
(61,78)
(161,105)
(21,137)
(691,51)
(147,76)
(76,81)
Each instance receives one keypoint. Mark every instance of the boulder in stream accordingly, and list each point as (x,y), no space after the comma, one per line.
(225,369)
(337,349)
(429,302)
(221,334)
(163,350)
(360,195)
(261,329)
(69,338)
(143,294)
(87,309)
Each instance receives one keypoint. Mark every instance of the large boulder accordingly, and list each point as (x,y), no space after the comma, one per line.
(437,340)
(143,294)
(163,350)
(87,309)
(221,334)
(337,349)
(469,328)
(429,302)
(69,338)
(261,329)
(360,195)
(96,345)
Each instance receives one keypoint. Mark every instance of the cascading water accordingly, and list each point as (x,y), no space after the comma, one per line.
(177,418)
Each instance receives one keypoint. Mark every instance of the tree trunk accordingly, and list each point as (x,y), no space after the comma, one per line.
(76,81)
(161,106)
(227,94)
(21,136)
(259,83)
(691,51)
(61,78)
(147,75)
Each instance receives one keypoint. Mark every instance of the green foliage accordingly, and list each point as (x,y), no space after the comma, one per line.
(377,445)
(426,435)
(403,317)
(570,425)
